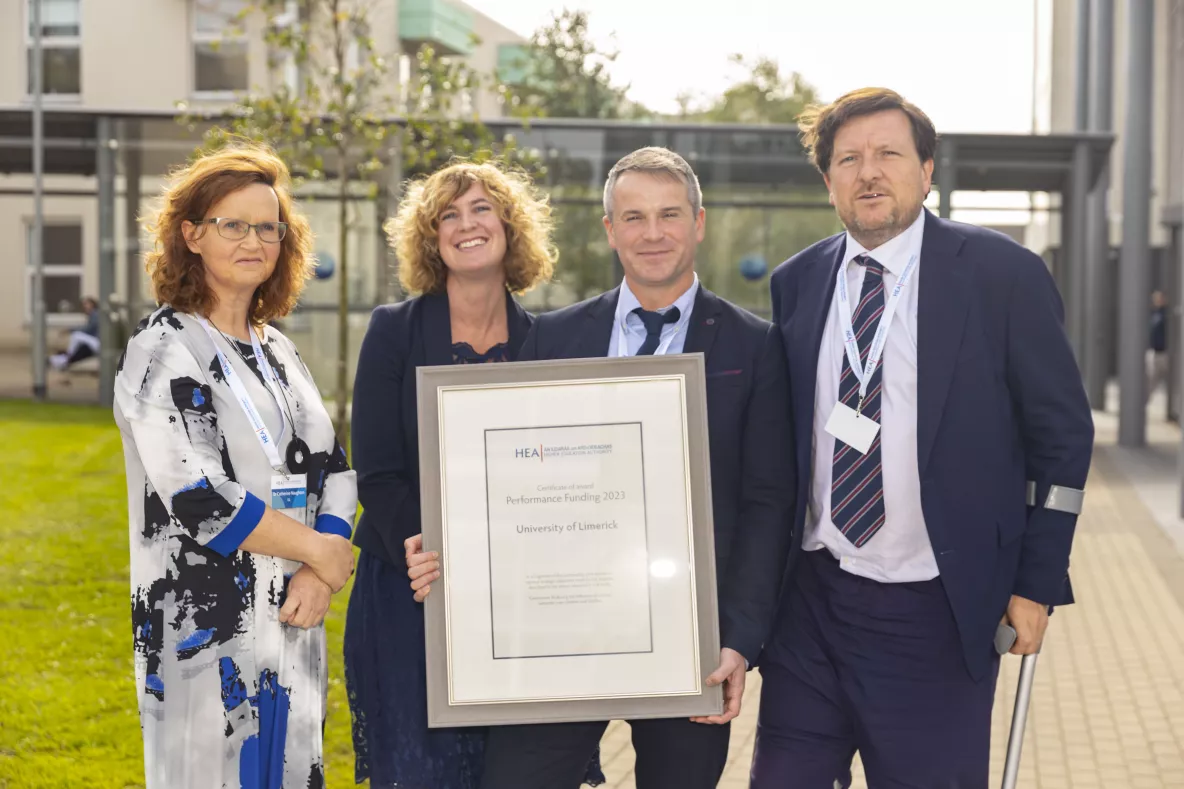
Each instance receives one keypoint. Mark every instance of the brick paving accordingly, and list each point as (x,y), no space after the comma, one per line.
(1108,703)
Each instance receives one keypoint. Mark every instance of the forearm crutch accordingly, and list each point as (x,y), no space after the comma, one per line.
(1019,719)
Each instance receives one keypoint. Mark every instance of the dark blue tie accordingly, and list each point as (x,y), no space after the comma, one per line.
(857,481)
(653,322)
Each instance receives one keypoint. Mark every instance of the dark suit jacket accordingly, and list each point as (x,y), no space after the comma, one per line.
(385,430)
(999,401)
(750,435)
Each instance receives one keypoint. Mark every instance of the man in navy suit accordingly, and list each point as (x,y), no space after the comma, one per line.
(934,397)
(655,220)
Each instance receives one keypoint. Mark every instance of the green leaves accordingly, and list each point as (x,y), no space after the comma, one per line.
(338,107)
(564,75)
(765,95)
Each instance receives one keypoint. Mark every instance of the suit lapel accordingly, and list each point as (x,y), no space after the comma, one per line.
(518,323)
(437,329)
(943,302)
(704,323)
(597,333)
(815,309)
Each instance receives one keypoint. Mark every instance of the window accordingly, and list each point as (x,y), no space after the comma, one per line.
(61,30)
(219,48)
(61,250)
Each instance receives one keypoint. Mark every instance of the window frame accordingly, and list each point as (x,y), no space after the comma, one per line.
(50,42)
(55,319)
(206,38)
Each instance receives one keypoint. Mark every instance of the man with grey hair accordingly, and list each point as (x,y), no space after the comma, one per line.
(654,218)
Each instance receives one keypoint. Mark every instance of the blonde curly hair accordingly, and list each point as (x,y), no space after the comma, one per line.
(524,210)
(178,278)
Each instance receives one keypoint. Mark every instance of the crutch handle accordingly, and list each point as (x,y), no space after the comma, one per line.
(1019,719)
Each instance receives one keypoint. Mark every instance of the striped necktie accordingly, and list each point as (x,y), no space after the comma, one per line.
(857,481)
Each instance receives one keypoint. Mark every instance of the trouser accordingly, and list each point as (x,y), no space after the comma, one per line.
(672,753)
(877,668)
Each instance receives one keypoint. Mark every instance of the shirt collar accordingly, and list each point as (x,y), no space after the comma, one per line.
(894,254)
(627,302)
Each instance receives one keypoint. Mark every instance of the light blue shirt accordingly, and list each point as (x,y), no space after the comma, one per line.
(675,333)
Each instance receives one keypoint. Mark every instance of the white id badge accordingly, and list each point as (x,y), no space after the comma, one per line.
(289,495)
(855,430)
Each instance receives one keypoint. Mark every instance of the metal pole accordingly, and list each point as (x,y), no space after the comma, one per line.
(394,193)
(36,247)
(1099,296)
(1179,341)
(1073,220)
(105,170)
(1035,70)
(1135,266)
(1081,75)
(1074,234)
(947,174)
(1019,720)
(133,166)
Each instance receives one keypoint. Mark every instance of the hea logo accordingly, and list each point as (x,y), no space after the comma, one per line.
(530,452)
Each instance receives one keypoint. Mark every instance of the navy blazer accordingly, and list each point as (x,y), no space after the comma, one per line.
(999,401)
(385,429)
(749,433)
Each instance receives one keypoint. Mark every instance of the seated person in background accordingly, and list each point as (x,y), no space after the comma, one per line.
(84,341)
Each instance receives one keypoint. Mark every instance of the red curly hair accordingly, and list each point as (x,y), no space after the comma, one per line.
(178,277)
(524,210)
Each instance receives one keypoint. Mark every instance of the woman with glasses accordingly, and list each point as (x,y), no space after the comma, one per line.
(240,500)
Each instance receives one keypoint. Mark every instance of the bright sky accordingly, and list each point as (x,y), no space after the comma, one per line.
(968,64)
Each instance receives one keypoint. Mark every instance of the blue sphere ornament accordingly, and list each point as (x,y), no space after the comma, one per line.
(324,265)
(753,267)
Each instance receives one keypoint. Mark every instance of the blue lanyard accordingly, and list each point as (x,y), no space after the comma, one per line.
(862,373)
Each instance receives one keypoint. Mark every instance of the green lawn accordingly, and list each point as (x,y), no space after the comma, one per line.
(67,699)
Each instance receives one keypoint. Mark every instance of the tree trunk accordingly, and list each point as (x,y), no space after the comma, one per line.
(343,392)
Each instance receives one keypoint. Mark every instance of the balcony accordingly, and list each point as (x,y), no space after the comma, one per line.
(512,62)
(439,23)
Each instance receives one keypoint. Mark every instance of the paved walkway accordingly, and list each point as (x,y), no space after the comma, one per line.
(1108,704)
(81,385)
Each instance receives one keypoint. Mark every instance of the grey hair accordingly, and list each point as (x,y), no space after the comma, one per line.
(661,162)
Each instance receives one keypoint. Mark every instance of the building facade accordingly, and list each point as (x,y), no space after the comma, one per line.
(1056,100)
(117,57)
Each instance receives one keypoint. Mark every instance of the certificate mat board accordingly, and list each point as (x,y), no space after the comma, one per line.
(570,502)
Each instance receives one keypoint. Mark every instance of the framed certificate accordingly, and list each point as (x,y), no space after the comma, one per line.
(570,502)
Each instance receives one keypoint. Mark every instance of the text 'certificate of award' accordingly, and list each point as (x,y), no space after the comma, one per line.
(568,547)
(567,540)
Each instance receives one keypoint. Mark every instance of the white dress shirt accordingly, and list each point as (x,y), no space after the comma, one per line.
(900,551)
(627,324)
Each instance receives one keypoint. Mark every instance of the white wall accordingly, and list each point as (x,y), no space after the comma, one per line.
(12,53)
(484,58)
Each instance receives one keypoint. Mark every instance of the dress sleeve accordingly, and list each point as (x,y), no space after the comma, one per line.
(339,502)
(164,396)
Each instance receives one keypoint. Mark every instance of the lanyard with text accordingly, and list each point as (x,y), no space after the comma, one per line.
(244,399)
(864,374)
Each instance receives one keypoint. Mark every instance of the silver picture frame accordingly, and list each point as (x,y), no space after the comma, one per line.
(451,631)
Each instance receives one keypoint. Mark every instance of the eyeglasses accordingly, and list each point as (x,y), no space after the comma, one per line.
(237,229)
